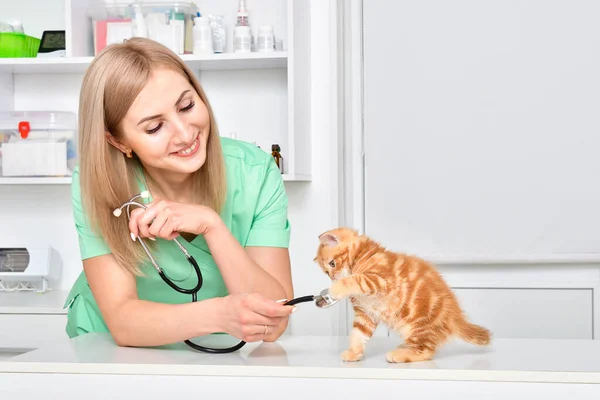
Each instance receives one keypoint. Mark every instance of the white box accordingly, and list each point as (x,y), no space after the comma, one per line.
(38,143)
(34,158)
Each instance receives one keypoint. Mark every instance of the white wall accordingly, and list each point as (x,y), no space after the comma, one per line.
(265,94)
(314,205)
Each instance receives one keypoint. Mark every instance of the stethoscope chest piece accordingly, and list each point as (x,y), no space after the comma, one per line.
(324,299)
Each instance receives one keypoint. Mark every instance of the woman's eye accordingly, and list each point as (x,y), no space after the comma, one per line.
(332,263)
(188,107)
(154,130)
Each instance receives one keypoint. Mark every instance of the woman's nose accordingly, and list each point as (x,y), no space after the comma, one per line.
(182,131)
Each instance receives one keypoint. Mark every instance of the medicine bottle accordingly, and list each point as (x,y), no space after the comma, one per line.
(276,153)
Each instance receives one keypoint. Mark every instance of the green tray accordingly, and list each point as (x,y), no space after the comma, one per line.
(16,45)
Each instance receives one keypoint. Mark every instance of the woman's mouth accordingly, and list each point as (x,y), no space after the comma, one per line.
(189,151)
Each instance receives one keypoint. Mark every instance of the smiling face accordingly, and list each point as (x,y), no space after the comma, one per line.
(167,126)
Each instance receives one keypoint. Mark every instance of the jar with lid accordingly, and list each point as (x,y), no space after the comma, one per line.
(266,39)
(203,37)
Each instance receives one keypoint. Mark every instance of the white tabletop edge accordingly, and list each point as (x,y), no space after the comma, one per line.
(506,360)
(301,372)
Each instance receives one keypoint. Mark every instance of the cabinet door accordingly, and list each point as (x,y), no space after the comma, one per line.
(530,313)
(526,313)
(31,331)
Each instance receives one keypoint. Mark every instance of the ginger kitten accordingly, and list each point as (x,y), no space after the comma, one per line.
(404,292)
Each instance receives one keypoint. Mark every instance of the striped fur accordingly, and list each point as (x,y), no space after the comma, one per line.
(403,292)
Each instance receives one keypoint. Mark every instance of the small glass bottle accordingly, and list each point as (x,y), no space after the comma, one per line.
(276,153)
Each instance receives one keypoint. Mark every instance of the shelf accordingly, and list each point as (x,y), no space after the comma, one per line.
(9,180)
(67,180)
(225,61)
(231,61)
(296,178)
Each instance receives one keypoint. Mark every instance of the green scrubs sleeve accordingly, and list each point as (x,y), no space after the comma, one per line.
(270,225)
(90,245)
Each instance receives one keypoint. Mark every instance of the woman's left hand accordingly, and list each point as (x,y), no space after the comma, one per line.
(166,219)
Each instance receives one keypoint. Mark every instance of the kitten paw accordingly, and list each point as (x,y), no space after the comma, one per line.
(336,291)
(405,355)
(350,355)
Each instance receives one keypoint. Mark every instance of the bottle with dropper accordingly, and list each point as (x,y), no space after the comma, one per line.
(243,40)
(242,13)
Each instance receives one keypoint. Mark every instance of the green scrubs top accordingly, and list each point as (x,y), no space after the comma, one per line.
(255,212)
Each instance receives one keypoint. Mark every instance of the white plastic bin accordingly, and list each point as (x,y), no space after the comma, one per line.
(169,23)
(38,143)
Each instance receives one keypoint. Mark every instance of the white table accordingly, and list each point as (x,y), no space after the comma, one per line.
(93,367)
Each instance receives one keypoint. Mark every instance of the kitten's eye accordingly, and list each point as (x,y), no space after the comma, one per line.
(332,263)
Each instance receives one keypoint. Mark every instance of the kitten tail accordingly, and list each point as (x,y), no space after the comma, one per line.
(471,333)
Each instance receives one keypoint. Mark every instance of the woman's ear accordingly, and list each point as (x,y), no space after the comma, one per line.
(117,144)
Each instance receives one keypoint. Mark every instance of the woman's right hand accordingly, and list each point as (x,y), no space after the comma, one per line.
(245,316)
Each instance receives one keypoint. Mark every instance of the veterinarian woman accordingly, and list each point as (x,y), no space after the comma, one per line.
(145,124)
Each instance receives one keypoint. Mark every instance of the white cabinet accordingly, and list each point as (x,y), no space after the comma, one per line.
(31,331)
(527,301)
(526,313)
(30,320)
(530,313)
(525,264)
(262,97)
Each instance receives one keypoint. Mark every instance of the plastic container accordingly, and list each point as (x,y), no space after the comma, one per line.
(166,22)
(266,39)
(219,32)
(18,45)
(242,39)
(38,143)
(203,36)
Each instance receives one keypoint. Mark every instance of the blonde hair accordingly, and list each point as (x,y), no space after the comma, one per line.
(107,177)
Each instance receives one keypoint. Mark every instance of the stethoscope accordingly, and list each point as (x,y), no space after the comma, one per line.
(322,300)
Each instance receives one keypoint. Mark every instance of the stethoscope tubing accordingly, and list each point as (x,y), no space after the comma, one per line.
(242,343)
(194,291)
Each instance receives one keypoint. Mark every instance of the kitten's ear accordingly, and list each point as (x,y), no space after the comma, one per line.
(329,239)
